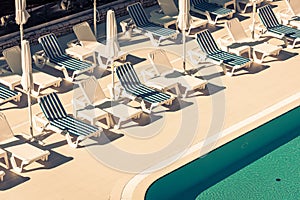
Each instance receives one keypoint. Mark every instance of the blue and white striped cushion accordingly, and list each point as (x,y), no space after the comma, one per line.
(139,17)
(207,42)
(6,93)
(210,47)
(57,56)
(132,84)
(270,21)
(74,126)
(52,107)
(51,46)
(57,116)
(204,6)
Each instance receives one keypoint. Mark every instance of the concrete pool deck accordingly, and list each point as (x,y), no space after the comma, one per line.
(78,173)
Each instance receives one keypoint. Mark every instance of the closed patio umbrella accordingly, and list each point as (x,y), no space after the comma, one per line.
(21,15)
(95,18)
(26,81)
(184,22)
(112,45)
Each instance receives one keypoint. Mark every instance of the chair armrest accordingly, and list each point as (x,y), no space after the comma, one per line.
(40,59)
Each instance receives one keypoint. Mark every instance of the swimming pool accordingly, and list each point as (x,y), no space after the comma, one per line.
(242,168)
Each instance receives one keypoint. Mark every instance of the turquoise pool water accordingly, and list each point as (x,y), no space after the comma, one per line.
(262,164)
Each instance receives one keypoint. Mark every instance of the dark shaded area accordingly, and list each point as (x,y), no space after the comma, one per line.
(42,11)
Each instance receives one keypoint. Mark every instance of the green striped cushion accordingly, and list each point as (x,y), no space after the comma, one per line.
(131,83)
(6,93)
(211,8)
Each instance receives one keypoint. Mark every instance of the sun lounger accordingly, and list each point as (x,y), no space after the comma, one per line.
(163,72)
(151,30)
(136,90)
(275,29)
(59,121)
(93,95)
(210,48)
(291,14)
(170,10)
(213,12)
(242,5)
(21,154)
(40,79)
(88,40)
(57,59)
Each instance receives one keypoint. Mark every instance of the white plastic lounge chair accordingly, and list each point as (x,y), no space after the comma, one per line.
(291,14)
(210,48)
(40,79)
(151,30)
(242,5)
(57,59)
(7,95)
(275,29)
(136,90)
(237,39)
(88,40)
(170,10)
(213,12)
(94,95)
(21,154)
(165,73)
(59,121)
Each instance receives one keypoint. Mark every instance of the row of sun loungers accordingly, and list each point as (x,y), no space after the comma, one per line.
(159,80)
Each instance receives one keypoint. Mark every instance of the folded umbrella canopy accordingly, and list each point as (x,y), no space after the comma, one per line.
(21,14)
(26,81)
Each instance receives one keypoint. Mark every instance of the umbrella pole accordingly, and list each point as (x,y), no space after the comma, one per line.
(95,19)
(30,114)
(21,33)
(253,19)
(113,81)
(184,49)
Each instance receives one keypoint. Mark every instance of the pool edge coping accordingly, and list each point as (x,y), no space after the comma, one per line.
(130,187)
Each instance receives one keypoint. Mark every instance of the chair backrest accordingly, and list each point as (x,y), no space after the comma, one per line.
(13,58)
(52,107)
(168,7)
(236,30)
(91,89)
(138,14)
(51,46)
(6,132)
(160,61)
(84,33)
(195,2)
(207,42)
(295,7)
(267,16)
(128,77)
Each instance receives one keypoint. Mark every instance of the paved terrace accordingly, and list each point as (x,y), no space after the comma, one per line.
(99,171)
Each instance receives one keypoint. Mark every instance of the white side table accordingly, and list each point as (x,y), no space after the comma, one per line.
(94,116)
(260,51)
(81,52)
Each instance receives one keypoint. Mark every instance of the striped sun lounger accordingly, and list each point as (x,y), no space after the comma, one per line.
(213,12)
(140,19)
(209,46)
(7,95)
(61,61)
(132,85)
(275,29)
(60,121)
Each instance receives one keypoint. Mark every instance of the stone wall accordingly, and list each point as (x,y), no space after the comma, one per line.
(64,25)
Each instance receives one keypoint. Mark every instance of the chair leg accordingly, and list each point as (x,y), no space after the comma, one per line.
(70,142)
